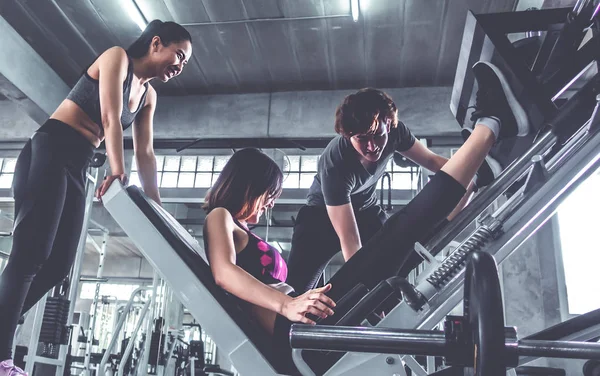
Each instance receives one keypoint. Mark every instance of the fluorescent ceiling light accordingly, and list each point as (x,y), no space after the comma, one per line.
(354,7)
(135,13)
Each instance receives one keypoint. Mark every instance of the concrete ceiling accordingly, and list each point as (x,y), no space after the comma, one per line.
(267,45)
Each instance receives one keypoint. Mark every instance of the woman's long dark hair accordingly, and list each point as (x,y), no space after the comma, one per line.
(168,32)
(248,176)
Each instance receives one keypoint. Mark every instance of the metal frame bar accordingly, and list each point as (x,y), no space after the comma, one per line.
(93,310)
(170,353)
(150,321)
(35,336)
(485,39)
(134,334)
(118,327)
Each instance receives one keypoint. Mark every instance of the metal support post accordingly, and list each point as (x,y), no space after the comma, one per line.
(113,340)
(414,366)
(131,343)
(170,353)
(150,322)
(35,334)
(430,364)
(94,308)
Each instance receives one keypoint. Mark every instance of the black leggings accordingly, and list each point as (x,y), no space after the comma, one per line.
(49,192)
(315,242)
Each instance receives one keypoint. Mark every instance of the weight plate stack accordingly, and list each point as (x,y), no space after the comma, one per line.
(54,323)
(156,340)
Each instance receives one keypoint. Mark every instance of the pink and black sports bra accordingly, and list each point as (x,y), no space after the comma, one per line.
(261,260)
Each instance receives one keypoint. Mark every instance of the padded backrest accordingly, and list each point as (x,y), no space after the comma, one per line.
(194,257)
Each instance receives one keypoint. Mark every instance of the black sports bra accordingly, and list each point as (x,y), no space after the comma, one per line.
(86,94)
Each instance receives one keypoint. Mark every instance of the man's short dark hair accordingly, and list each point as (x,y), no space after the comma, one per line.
(361,112)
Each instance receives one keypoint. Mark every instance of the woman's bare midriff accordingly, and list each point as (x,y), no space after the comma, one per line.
(71,114)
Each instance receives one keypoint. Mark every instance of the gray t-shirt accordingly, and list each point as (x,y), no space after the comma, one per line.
(341,178)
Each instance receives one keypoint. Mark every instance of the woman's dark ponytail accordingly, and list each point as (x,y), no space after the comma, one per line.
(168,32)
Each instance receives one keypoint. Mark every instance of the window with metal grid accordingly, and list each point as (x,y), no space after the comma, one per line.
(7,171)
(184,171)
(190,171)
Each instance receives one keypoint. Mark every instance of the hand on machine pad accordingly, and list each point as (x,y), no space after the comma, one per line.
(107,182)
(314,302)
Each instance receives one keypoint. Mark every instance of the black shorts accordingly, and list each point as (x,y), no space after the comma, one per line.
(281,344)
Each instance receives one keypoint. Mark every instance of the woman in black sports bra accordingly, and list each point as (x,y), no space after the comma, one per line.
(49,180)
(245,265)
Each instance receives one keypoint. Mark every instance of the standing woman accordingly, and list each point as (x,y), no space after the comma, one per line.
(49,182)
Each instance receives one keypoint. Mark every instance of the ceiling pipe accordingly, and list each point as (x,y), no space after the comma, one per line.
(273,19)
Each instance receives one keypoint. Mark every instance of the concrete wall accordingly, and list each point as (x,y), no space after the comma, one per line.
(531,283)
(15,122)
(291,114)
(534,289)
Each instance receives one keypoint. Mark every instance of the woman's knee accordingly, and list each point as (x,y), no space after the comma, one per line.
(29,252)
(25,267)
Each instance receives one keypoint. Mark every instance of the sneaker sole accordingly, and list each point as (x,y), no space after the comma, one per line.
(518,111)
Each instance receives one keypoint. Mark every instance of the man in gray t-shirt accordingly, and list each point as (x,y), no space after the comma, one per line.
(342,178)
(341,210)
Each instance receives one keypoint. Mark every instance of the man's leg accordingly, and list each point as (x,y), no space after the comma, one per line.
(314,243)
